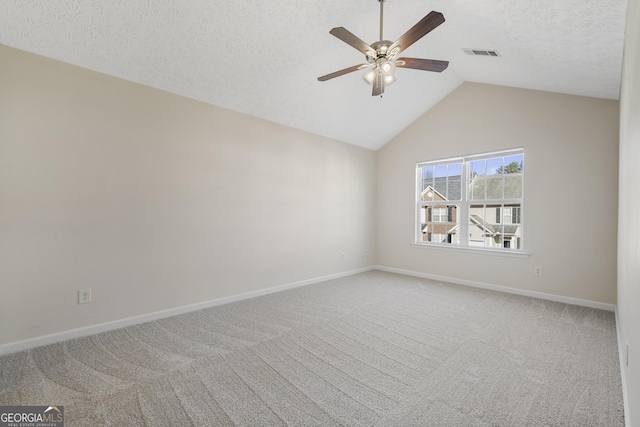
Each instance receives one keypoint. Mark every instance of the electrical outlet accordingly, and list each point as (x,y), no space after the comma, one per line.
(84,296)
(537,270)
(626,353)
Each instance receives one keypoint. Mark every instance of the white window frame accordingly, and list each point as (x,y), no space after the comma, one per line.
(463,215)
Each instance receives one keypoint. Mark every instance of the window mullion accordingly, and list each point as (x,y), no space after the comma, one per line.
(419,205)
(463,219)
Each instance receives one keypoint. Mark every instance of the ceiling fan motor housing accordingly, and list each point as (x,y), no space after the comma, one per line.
(382,51)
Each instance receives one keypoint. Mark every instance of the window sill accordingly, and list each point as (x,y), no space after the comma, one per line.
(480,251)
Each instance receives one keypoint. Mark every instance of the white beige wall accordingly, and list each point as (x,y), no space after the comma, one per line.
(156,201)
(629,222)
(571,162)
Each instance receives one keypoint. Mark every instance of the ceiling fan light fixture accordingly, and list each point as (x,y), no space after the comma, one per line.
(386,68)
(369,76)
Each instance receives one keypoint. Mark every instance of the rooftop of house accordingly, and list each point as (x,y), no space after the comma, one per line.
(450,188)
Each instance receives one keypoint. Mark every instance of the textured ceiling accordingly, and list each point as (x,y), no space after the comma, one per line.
(262,57)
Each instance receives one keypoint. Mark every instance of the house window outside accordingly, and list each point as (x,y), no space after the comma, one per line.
(508,215)
(439,214)
(472,201)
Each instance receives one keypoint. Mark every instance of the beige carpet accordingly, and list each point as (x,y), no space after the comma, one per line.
(373,349)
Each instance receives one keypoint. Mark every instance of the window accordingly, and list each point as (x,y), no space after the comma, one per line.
(439,214)
(472,201)
(508,215)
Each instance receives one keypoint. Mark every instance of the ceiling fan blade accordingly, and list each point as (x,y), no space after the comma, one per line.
(351,39)
(342,72)
(423,64)
(422,28)
(378,84)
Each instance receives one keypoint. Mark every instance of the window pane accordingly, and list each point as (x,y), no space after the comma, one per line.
(513,164)
(426,172)
(513,231)
(510,229)
(503,178)
(515,214)
(494,187)
(439,215)
(477,225)
(440,171)
(441,225)
(455,169)
(477,188)
(454,181)
(494,166)
(478,168)
(440,185)
(513,186)
(507,217)
(441,182)
(454,187)
(485,225)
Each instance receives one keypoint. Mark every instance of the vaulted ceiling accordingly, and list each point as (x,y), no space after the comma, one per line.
(263,57)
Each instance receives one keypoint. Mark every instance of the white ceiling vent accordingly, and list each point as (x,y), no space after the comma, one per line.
(481,52)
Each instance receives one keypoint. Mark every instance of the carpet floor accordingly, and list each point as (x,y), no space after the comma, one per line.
(372,349)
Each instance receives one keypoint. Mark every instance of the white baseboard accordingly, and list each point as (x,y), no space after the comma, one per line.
(622,357)
(121,323)
(506,289)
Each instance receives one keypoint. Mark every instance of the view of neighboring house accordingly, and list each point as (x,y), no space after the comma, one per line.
(491,225)
(439,221)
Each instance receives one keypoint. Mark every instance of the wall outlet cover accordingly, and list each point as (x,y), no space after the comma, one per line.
(84,296)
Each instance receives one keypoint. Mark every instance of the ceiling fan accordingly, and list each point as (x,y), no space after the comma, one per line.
(381,55)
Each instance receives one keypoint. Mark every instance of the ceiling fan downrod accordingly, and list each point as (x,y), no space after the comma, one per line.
(381,16)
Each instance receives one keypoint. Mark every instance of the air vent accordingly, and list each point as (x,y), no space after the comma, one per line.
(481,52)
